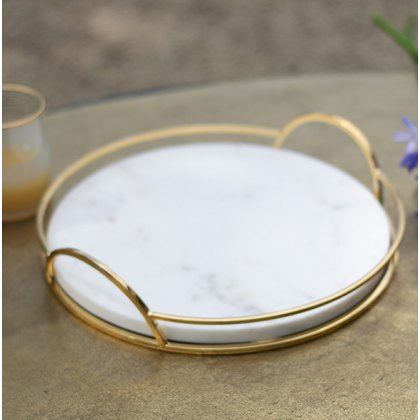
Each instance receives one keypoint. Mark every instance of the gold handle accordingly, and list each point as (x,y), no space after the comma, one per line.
(349,128)
(110,275)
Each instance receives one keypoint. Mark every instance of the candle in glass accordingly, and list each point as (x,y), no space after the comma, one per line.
(25,153)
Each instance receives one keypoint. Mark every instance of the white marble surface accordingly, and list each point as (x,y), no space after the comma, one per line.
(219,230)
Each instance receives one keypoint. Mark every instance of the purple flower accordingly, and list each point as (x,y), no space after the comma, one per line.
(410,159)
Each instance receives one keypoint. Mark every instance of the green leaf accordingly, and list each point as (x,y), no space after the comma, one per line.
(410,27)
(400,38)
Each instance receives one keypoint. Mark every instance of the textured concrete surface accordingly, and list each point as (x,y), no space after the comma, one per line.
(56,367)
(77,50)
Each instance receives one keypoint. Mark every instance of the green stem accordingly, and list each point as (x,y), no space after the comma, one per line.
(398,37)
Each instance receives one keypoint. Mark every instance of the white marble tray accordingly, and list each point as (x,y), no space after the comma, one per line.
(220,230)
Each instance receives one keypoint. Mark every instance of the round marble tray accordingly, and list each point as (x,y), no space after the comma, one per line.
(219,230)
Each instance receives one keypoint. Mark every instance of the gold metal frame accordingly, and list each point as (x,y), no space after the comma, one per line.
(385,267)
(26,90)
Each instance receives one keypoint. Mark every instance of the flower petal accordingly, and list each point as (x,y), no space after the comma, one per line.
(412,126)
(410,161)
(411,147)
(401,136)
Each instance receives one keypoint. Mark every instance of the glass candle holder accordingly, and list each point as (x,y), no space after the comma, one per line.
(26,156)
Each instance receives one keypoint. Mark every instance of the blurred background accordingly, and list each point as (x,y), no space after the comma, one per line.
(81,50)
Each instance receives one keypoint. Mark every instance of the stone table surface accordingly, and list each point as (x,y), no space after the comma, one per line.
(56,367)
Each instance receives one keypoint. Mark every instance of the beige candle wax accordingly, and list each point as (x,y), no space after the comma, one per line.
(25,178)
